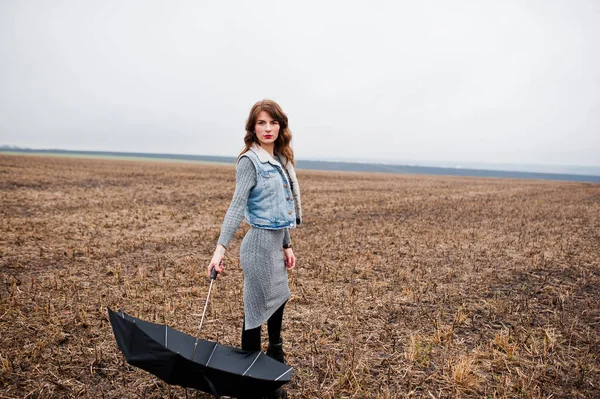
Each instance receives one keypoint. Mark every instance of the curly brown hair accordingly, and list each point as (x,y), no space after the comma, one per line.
(282,144)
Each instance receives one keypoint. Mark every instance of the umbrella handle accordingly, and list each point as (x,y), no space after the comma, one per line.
(213,273)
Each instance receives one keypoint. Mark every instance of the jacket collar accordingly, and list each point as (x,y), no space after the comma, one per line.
(263,155)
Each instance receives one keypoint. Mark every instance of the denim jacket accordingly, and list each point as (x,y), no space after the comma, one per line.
(274,202)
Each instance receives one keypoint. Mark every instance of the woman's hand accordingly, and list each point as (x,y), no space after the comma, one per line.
(217,261)
(290,259)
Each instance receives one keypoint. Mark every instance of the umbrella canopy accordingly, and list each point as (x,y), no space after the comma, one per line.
(216,369)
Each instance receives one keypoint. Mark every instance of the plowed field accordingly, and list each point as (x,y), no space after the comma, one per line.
(406,286)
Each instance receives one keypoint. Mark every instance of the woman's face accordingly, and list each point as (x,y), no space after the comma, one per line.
(266,128)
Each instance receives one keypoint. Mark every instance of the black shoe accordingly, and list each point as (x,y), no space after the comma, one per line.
(275,351)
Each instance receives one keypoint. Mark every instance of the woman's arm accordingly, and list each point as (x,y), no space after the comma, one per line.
(288,252)
(245,180)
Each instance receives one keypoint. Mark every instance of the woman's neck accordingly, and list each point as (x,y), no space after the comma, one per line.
(270,148)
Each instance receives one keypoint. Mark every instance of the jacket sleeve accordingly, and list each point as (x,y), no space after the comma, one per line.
(245,180)
(286,237)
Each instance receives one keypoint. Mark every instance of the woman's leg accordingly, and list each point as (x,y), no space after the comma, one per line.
(250,338)
(275,349)
(274,325)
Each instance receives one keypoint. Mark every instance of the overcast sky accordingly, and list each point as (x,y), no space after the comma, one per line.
(481,81)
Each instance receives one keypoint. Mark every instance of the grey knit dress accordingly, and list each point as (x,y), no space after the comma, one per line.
(261,255)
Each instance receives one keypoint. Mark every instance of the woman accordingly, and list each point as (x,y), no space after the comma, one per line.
(267,192)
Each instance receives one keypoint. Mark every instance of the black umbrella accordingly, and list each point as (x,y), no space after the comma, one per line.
(181,359)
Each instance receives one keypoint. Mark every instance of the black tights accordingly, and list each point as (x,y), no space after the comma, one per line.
(251,338)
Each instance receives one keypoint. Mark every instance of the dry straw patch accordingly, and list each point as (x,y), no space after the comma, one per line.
(464,373)
(406,286)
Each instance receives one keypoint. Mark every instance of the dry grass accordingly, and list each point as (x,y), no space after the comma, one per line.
(406,286)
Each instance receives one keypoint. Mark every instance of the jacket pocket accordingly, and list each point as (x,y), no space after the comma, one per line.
(268,173)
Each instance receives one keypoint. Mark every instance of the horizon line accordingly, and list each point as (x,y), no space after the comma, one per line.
(386,161)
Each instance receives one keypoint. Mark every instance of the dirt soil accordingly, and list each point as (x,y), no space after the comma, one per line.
(406,285)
